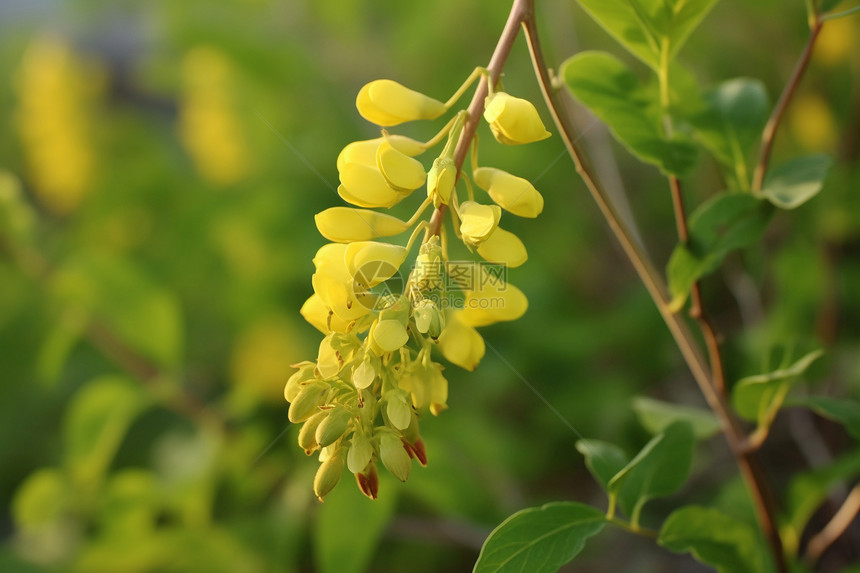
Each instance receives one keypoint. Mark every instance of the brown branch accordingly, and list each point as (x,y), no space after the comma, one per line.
(773,123)
(747,463)
(519,9)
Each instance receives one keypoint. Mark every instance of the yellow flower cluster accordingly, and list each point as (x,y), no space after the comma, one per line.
(56,91)
(208,125)
(360,401)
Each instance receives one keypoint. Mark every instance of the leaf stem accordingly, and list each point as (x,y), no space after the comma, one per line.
(769,133)
(643,531)
(747,463)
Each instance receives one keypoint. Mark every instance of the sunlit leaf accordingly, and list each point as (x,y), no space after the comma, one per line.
(759,397)
(797,181)
(656,415)
(40,499)
(539,539)
(645,26)
(716,539)
(658,470)
(631,111)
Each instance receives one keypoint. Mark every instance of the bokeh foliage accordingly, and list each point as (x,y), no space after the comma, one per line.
(162,162)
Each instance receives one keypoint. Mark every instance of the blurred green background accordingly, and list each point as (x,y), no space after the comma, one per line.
(161,165)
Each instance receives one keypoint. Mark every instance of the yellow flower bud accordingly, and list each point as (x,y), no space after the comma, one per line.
(441,180)
(386,103)
(364,374)
(334,351)
(401,172)
(333,426)
(477,221)
(328,475)
(513,194)
(345,224)
(428,318)
(503,247)
(364,186)
(461,344)
(513,120)
(394,456)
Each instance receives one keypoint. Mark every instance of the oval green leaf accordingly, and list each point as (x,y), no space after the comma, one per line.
(539,539)
(797,181)
(656,416)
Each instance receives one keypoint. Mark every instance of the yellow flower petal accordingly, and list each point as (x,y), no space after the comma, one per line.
(364,152)
(335,285)
(386,103)
(513,120)
(503,247)
(371,263)
(321,317)
(514,194)
(344,224)
(460,343)
(366,187)
(477,221)
(400,171)
(494,303)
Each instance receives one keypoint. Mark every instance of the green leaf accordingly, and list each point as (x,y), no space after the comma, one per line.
(731,122)
(713,538)
(759,397)
(726,222)
(656,415)
(797,181)
(349,526)
(658,470)
(808,490)
(142,314)
(539,539)
(95,424)
(602,459)
(845,412)
(631,111)
(646,27)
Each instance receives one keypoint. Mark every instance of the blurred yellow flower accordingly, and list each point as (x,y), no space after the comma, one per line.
(208,123)
(811,120)
(56,91)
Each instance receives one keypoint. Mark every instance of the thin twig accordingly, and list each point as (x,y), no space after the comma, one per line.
(834,528)
(773,123)
(476,106)
(748,465)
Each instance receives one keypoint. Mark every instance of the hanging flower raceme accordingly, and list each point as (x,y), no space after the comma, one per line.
(383,311)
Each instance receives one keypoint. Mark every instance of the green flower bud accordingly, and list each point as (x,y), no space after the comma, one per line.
(299,379)
(428,318)
(334,426)
(368,481)
(307,435)
(364,374)
(328,475)
(307,402)
(360,453)
(398,410)
(394,455)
